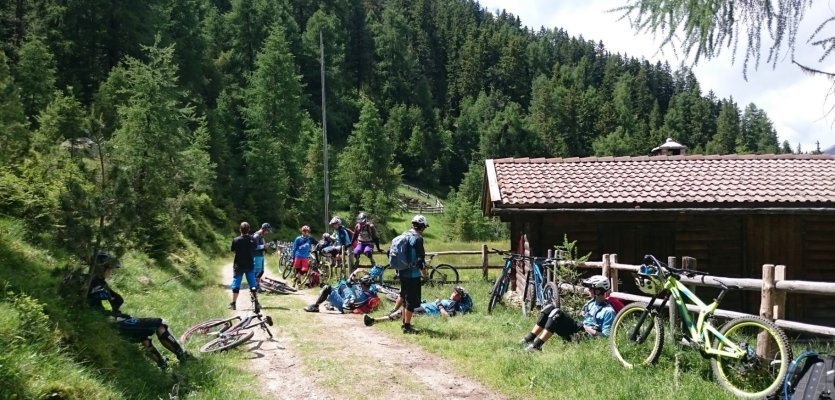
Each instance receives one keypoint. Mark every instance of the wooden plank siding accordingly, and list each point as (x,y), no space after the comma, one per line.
(731,245)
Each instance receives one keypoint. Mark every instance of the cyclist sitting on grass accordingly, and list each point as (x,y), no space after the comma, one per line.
(138,329)
(598,315)
(357,294)
(301,254)
(459,302)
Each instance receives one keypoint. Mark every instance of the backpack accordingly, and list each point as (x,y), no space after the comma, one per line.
(813,380)
(400,253)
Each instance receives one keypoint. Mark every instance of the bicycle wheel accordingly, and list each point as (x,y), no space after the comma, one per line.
(199,328)
(227,341)
(288,270)
(762,370)
(499,287)
(442,274)
(646,347)
(551,294)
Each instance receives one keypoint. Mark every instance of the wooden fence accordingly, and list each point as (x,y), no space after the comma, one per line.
(773,287)
(433,204)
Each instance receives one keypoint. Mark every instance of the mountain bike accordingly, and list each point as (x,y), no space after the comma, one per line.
(544,292)
(749,356)
(236,334)
(502,281)
(440,274)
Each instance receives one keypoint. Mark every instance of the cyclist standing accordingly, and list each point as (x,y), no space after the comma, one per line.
(411,278)
(301,254)
(244,247)
(365,234)
(258,259)
(139,329)
(598,316)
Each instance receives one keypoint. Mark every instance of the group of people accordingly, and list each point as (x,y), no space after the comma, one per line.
(358,293)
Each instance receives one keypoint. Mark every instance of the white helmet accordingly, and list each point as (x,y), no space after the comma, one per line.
(336,220)
(597,282)
(420,220)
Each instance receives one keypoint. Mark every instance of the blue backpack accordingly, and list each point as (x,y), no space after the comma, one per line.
(401,253)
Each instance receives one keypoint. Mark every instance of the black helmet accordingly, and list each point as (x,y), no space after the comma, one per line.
(460,290)
(267,227)
(104,259)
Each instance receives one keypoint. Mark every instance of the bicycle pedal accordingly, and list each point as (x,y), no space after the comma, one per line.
(269,320)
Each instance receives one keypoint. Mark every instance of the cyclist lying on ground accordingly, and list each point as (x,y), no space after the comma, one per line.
(357,294)
(598,315)
(459,302)
(138,329)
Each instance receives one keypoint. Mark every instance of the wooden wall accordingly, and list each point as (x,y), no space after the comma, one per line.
(726,245)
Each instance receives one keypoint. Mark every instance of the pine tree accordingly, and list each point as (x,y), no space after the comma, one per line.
(368,175)
(35,75)
(14,138)
(727,129)
(273,116)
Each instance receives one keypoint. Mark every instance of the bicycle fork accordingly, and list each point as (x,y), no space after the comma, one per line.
(640,335)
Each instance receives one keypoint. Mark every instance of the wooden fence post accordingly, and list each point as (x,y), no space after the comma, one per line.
(689,263)
(671,304)
(779,297)
(607,269)
(764,345)
(613,272)
(484,255)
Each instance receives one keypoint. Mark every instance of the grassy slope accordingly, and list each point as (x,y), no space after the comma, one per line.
(84,356)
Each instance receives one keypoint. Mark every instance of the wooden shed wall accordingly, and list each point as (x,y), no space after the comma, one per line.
(727,245)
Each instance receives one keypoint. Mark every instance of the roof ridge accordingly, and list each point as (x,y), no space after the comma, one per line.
(527,160)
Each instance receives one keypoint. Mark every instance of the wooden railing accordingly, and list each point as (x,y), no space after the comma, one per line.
(773,287)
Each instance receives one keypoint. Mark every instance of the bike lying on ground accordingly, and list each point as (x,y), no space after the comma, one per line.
(276,286)
(226,332)
(749,356)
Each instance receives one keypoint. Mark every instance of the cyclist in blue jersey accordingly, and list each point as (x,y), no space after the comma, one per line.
(341,239)
(459,302)
(260,247)
(411,278)
(301,254)
(357,295)
(138,329)
(598,316)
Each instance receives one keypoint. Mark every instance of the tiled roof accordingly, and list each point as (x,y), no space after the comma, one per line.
(662,181)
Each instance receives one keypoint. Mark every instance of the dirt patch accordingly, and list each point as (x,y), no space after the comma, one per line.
(328,355)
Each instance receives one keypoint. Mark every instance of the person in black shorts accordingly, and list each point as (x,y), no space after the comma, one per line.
(244,247)
(137,329)
(411,278)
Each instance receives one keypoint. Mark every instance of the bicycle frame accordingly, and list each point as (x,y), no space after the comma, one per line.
(700,331)
(536,271)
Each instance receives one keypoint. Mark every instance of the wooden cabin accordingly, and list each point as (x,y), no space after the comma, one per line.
(732,213)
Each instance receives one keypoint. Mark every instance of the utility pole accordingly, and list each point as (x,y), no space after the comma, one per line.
(324,130)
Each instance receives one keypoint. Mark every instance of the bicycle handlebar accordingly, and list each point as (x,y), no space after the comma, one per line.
(650,259)
(516,256)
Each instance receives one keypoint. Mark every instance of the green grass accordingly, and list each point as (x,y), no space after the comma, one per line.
(485,348)
(53,344)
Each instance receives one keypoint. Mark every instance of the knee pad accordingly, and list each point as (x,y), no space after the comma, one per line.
(165,323)
(236,290)
(326,290)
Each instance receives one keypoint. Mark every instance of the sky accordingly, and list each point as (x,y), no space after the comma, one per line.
(796,103)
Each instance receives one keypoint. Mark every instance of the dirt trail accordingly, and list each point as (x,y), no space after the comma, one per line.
(328,355)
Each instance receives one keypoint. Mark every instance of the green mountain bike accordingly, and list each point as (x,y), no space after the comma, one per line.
(749,356)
